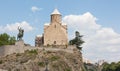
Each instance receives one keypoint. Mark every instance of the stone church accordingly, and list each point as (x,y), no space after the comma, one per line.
(55,32)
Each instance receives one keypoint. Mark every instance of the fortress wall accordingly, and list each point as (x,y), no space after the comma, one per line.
(10,49)
(1,50)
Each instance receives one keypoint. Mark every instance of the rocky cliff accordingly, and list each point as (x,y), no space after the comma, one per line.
(43,60)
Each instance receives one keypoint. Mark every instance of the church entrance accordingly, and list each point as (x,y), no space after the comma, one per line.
(54,42)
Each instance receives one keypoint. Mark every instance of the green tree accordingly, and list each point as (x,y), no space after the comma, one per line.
(111,67)
(6,39)
(77,40)
(105,66)
(12,40)
(118,66)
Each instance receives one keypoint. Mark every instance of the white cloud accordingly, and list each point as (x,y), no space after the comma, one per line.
(34,9)
(13,27)
(100,42)
(84,22)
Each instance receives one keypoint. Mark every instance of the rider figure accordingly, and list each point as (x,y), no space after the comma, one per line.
(20,34)
(20,30)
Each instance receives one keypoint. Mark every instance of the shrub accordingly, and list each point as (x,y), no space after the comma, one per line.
(1,61)
(23,61)
(18,54)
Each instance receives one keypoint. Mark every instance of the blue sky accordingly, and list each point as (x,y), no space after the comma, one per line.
(102,16)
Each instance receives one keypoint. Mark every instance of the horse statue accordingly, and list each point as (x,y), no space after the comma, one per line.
(20,34)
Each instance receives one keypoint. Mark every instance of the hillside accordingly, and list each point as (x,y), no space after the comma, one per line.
(39,59)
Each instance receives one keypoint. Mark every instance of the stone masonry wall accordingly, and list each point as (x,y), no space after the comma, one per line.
(19,47)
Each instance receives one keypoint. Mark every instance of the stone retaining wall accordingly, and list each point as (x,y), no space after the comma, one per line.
(19,47)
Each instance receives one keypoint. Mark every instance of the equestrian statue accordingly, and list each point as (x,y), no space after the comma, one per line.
(20,34)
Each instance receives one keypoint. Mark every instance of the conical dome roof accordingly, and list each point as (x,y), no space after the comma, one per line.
(55,12)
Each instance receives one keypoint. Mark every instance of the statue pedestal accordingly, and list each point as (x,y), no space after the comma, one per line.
(19,43)
(19,46)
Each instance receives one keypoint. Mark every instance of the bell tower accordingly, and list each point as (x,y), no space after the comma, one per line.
(55,16)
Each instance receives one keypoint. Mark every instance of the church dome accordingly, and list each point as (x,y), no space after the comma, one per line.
(55,12)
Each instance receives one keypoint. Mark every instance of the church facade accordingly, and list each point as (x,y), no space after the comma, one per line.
(55,32)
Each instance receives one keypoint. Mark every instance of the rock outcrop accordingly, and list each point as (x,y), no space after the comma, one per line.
(42,59)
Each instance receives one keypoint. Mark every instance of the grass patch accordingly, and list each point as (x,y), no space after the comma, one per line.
(68,69)
(55,66)
(41,64)
(54,58)
(48,52)
(32,52)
